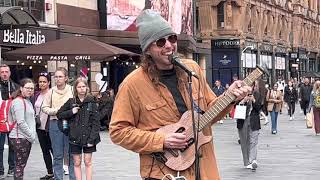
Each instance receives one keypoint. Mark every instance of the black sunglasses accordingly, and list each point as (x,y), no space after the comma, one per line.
(162,41)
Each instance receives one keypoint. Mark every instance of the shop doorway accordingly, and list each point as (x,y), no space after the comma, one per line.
(19,72)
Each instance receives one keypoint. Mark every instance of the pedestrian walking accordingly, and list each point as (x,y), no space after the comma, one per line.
(290,97)
(315,106)
(42,128)
(55,98)
(24,132)
(263,89)
(249,128)
(305,91)
(274,99)
(82,115)
(7,87)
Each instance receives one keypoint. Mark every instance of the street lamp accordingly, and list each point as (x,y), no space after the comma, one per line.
(243,60)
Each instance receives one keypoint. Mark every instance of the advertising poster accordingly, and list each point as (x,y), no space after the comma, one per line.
(122,14)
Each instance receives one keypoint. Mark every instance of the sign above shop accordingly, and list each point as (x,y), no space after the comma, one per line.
(265,47)
(252,44)
(25,36)
(303,56)
(293,55)
(225,43)
(281,50)
(57,58)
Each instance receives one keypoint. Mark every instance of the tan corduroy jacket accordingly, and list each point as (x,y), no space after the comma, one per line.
(140,109)
(274,101)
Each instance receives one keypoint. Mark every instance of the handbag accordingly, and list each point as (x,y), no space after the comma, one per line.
(309,120)
(38,121)
(240,111)
(37,117)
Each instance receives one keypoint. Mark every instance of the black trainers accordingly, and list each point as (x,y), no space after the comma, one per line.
(47,177)
(10,173)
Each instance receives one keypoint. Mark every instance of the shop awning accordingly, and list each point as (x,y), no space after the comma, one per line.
(70,49)
(16,17)
(311,74)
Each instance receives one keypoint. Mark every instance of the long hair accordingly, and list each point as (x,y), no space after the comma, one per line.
(316,87)
(22,83)
(79,80)
(149,66)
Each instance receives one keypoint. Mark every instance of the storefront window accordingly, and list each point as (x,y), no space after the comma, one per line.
(36,7)
(312,65)
(6,3)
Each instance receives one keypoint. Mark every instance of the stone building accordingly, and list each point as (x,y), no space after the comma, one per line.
(109,21)
(284,34)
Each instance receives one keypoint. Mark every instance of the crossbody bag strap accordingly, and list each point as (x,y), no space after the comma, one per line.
(40,108)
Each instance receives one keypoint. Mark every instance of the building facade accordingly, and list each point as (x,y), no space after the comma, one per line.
(283,34)
(112,22)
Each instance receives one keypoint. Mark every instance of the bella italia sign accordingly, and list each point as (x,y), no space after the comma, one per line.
(22,37)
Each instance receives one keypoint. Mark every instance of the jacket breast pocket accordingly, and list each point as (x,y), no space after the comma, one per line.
(158,110)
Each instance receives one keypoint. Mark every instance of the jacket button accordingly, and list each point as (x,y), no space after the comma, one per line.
(83,135)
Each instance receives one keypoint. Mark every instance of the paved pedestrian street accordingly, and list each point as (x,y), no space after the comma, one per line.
(292,154)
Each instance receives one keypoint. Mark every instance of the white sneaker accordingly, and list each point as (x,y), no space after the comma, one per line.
(66,170)
(221,121)
(249,166)
(266,122)
(254,164)
(290,118)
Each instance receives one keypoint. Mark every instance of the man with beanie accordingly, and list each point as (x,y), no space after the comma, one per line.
(156,95)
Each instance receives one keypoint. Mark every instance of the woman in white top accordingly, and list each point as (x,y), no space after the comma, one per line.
(55,98)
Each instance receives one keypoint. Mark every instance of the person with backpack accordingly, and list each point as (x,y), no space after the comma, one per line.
(7,87)
(82,115)
(42,127)
(23,133)
(54,99)
(315,106)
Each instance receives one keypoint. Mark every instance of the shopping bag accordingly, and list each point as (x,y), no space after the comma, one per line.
(309,120)
(240,112)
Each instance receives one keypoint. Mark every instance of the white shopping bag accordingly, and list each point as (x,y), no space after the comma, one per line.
(240,112)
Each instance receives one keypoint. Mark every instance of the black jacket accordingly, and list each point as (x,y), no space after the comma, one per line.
(84,126)
(305,91)
(4,88)
(290,96)
(254,114)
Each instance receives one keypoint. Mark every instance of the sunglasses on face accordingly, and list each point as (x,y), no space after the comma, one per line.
(162,41)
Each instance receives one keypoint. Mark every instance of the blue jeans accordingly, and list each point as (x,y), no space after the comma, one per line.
(11,158)
(274,120)
(59,142)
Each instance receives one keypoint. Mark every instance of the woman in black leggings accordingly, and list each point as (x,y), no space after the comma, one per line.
(42,127)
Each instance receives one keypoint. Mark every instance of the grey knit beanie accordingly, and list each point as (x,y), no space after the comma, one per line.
(151,27)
